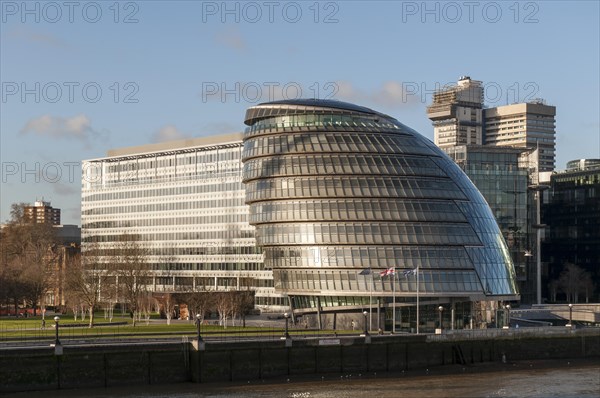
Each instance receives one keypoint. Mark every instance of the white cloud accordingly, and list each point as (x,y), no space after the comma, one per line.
(77,127)
(391,94)
(168,133)
(232,39)
(28,35)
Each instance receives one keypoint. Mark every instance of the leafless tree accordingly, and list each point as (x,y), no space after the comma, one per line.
(84,279)
(129,266)
(572,280)
(167,302)
(29,257)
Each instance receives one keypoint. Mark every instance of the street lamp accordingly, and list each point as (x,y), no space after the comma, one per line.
(507,316)
(56,341)
(570,315)
(366,330)
(441,309)
(287,319)
(198,316)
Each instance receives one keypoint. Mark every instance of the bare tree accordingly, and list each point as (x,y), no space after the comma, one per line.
(130,267)
(199,303)
(167,302)
(223,304)
(29,257)
(84,278)
(572,280)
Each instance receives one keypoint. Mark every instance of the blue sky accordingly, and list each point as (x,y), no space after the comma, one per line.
(83,77)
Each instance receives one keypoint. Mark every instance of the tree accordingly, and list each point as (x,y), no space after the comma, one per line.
(83,281)
(199,303)
(130,266)
(572,280)
(29,257)
(168,302)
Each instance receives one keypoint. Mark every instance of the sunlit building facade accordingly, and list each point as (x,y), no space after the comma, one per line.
(183,201)
(337,191)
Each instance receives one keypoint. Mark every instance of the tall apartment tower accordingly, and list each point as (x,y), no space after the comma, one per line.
(525,125)
(456,114)
(42,212)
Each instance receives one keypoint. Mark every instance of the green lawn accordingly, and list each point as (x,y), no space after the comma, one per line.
(15,329)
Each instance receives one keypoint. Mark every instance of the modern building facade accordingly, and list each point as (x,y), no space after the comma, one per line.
(571,212)
(457,114)
(183,201)
(525,125)
(502,177)
(42,212)
(340,193)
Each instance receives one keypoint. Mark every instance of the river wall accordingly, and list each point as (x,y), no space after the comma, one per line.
(87,366)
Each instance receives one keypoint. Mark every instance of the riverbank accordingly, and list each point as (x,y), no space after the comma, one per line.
(563,378)
(265,361)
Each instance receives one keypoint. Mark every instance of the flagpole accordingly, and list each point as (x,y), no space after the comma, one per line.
(371,303)
(418,300)
(394,299)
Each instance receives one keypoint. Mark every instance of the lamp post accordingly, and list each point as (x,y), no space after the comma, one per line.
(441,309)
(570,316)
(56,341)
(287,319)
(366,330)
(198,316)
(538,226)
(507,326)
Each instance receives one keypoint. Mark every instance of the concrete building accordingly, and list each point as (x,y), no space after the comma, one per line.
(526,125)
(456,113)
(42,212)
(355,212)
(183,201)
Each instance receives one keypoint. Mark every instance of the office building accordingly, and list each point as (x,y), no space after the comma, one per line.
(526,125)
(502,177)
(341,194)
(571,212)
(183,202)
(456,113)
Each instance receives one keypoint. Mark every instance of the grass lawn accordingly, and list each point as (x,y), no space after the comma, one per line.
(15,329)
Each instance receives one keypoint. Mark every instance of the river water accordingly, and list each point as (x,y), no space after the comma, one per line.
(563,379)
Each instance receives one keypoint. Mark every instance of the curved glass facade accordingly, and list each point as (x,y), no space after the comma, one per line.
(336,188)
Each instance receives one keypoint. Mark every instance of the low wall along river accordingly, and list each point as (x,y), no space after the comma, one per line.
(23,369)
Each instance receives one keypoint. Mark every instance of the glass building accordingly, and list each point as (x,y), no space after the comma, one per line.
(340,193)
(502,176)
(183,202)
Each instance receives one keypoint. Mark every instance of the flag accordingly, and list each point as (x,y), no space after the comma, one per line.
(410,272)
(386,272)
(366,271)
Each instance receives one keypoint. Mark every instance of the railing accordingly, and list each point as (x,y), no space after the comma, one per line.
(512,333)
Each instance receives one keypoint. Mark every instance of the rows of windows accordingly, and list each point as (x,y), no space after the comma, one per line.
(356,187)
(196,204)
(330,142)
(366,233)
(327,121)
(340,164)
(164,192)
(355,209)
(363,256)
(230,233)
(170,221)
(430,282)
(201,249)
(134,168)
